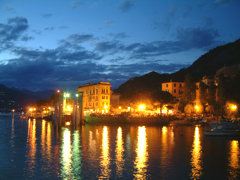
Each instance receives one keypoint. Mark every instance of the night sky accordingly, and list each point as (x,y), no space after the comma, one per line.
(50,44)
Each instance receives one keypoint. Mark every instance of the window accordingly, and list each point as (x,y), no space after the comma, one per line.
(103,97)
(166,85)
(96,104)
(107,91)
(96,91)
(96,98)
(180,85)
(106,97)
(174,85)
(174,91)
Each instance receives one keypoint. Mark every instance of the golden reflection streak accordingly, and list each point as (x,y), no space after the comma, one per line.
(66,154)
(105,159)
(43,136)
(49,139)
(164,150)
(142,155)
(196,161)
(76,162)
(33,141)
(119,152)
(234,159)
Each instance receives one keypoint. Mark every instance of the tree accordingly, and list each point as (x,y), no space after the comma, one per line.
(161,98)
(189,94)
(203,95)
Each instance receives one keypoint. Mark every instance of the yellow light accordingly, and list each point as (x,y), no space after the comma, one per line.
(129,108)
(119,107)
(67,123)
(233,107)
(142,107)
(69,108)
(30,109)
(105,107)
(170,111)
(76,95)
(13,110)
(58,91)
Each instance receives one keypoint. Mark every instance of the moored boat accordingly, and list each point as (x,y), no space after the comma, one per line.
(222,132)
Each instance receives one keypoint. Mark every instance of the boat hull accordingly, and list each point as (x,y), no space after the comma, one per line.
(221,133)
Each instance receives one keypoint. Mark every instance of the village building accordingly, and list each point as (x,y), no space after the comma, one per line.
(174,88)
(96,96)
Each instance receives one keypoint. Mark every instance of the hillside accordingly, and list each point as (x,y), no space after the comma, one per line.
(14,99)
(206,65)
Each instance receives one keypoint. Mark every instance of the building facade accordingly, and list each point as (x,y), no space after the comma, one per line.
(174,88)
(96,96)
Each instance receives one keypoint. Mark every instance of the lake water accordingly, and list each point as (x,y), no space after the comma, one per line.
(31,149)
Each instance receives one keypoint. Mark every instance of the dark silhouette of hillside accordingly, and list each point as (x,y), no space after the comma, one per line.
(206,65)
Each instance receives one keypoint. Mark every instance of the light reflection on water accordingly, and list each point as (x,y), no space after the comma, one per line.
(142,155)
(105,159)
(66,154)
(119,153)
(110,152)
(234,159)
(196,160)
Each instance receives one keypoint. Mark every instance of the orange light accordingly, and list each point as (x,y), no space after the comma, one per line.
(30,109)
(119,107)
(58,91)
(142,107)
(233,107)
(67,123)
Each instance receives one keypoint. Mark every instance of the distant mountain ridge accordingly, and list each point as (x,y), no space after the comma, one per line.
(206,65)
(12,98)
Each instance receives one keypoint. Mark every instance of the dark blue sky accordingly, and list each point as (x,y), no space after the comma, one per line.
(62,44)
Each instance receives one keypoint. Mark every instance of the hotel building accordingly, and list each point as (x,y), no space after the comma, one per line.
(96,96)
(174,88)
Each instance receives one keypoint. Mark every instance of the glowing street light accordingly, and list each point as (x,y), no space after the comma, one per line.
(58,91)
(142,107)
(197,108)
(77,95)
(233,107)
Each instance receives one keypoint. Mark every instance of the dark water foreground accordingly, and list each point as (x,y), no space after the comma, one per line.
(31,149)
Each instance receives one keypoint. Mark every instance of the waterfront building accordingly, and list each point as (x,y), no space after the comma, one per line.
(174,88)
(96,96)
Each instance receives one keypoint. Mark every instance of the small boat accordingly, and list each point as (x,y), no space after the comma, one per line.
(222,132)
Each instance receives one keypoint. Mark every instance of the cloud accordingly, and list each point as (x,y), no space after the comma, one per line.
(110,22)
(221,2)
(63,27)
(109,46)
(126,5)
(10,9)
(47,15)
(121,35)
(49,28)
(186,39)
(12,31)
(77,4)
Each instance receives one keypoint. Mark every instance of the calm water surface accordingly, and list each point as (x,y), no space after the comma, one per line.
(31,149)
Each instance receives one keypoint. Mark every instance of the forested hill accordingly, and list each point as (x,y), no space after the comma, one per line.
(206,65)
